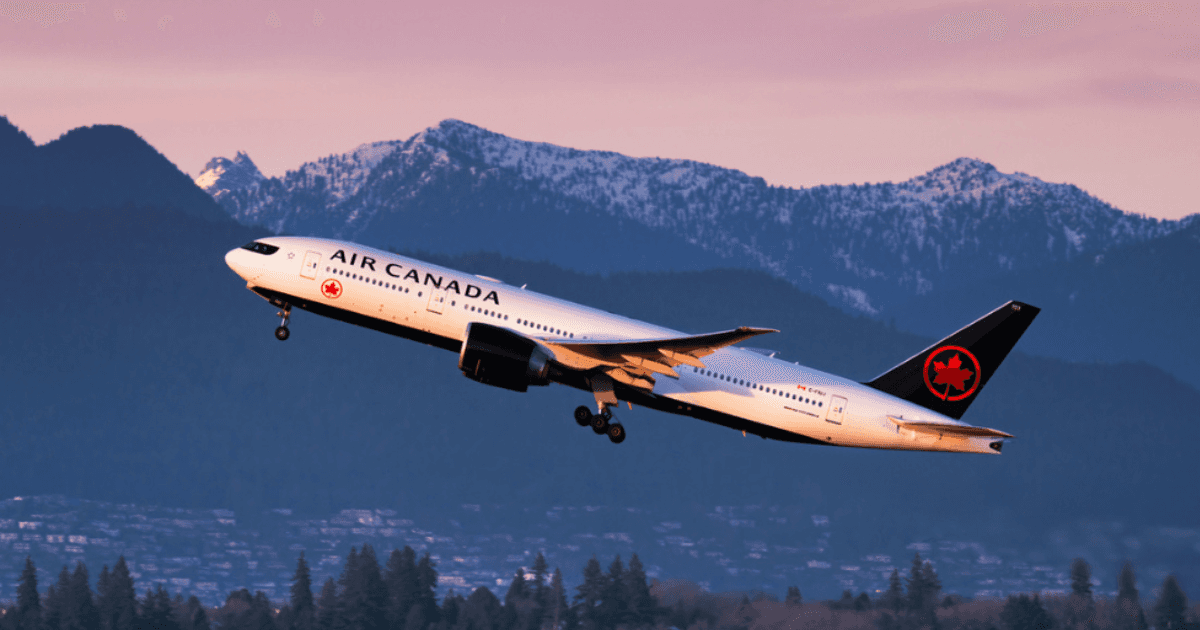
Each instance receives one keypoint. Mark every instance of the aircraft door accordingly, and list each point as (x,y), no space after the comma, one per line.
(837,407)
(437,300)
(311,261)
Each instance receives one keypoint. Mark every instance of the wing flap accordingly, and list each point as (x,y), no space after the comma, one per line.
(634,361)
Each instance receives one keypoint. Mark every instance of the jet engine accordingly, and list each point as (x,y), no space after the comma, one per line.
(500,357)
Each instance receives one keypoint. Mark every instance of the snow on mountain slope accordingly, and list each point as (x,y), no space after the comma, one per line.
(863,246)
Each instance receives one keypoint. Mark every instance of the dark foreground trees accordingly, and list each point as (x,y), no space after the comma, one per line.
(401,595)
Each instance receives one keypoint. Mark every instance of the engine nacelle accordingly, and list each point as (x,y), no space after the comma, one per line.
(500,357)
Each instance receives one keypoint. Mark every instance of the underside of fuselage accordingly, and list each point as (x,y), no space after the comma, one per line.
(577,380)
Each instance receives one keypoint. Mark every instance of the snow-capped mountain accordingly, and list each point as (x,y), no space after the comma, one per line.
(457,187)
(222,175)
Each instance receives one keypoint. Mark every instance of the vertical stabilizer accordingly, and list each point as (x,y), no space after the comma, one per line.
(947,376)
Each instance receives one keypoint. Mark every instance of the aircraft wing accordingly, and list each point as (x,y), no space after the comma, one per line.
(635,362)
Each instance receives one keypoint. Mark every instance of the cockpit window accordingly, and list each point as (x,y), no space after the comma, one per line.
(261,248)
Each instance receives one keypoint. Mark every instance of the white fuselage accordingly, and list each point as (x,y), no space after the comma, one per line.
(739,383)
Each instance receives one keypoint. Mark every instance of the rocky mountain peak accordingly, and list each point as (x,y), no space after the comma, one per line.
(223,174)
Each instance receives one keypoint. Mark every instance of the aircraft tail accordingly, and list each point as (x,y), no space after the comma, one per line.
(947,376)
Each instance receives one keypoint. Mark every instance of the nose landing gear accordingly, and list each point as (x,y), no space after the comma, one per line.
(282,332)
(601,423)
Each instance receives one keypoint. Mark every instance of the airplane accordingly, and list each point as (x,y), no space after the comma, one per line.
(513,338)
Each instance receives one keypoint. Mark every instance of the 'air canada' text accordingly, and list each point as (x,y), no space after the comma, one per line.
(394,270)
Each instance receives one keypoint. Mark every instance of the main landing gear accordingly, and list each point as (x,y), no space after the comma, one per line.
(282,333)
(602,423)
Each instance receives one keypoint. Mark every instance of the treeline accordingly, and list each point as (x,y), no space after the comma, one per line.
(398,596)
(917,602)
(402,596)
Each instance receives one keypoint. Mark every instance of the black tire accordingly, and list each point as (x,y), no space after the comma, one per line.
(282,333)
(616,432)
(607,413)
(583,416)
(600,425)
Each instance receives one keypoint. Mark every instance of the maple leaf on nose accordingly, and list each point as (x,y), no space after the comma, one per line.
(952,373)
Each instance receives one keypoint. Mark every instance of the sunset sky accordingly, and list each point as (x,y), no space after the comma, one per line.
(1102,95)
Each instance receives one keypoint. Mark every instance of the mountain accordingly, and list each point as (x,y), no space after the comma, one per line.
(102,166)
(140,369)
(459,188)
(1137,302)
(222,175)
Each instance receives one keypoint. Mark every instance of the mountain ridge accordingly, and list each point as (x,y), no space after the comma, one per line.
(864,246)
(94,167)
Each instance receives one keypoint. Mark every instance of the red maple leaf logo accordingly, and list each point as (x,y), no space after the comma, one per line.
(331,288)
(952,373)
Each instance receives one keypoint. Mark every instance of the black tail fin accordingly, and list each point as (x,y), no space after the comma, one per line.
(947,376)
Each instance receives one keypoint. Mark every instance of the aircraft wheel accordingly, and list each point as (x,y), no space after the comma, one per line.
(616,432)
(282,333)
(600,425)
(606,413)
(583,416)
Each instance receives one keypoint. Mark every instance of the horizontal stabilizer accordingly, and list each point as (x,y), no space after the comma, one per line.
(941,428)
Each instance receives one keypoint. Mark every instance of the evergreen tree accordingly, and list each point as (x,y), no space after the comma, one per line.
(28,612)
(1127,609)
(1081,608)
(452,606)
(591,591)
(641,605)
(156,612)
(1021,612)
(923,588)
(363,598)
(893,598)
(482,611)
(427,579)
(540,569)
(1170,613)
(1127,583)
(55,605)
(79,609)
(192,616)
(116,601)
(1081,578)
(614,609)
(327,607)
(862,602)
(516,589)
(303,609)
(793,599)
(556,606)
(403,588)
(259,617)
(103,586)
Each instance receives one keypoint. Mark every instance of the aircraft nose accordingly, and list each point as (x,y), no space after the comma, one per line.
(236,260)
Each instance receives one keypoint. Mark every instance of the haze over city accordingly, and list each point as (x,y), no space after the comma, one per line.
(1100,95)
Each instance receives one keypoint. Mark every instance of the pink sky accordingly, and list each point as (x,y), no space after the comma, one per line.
(1102,95)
